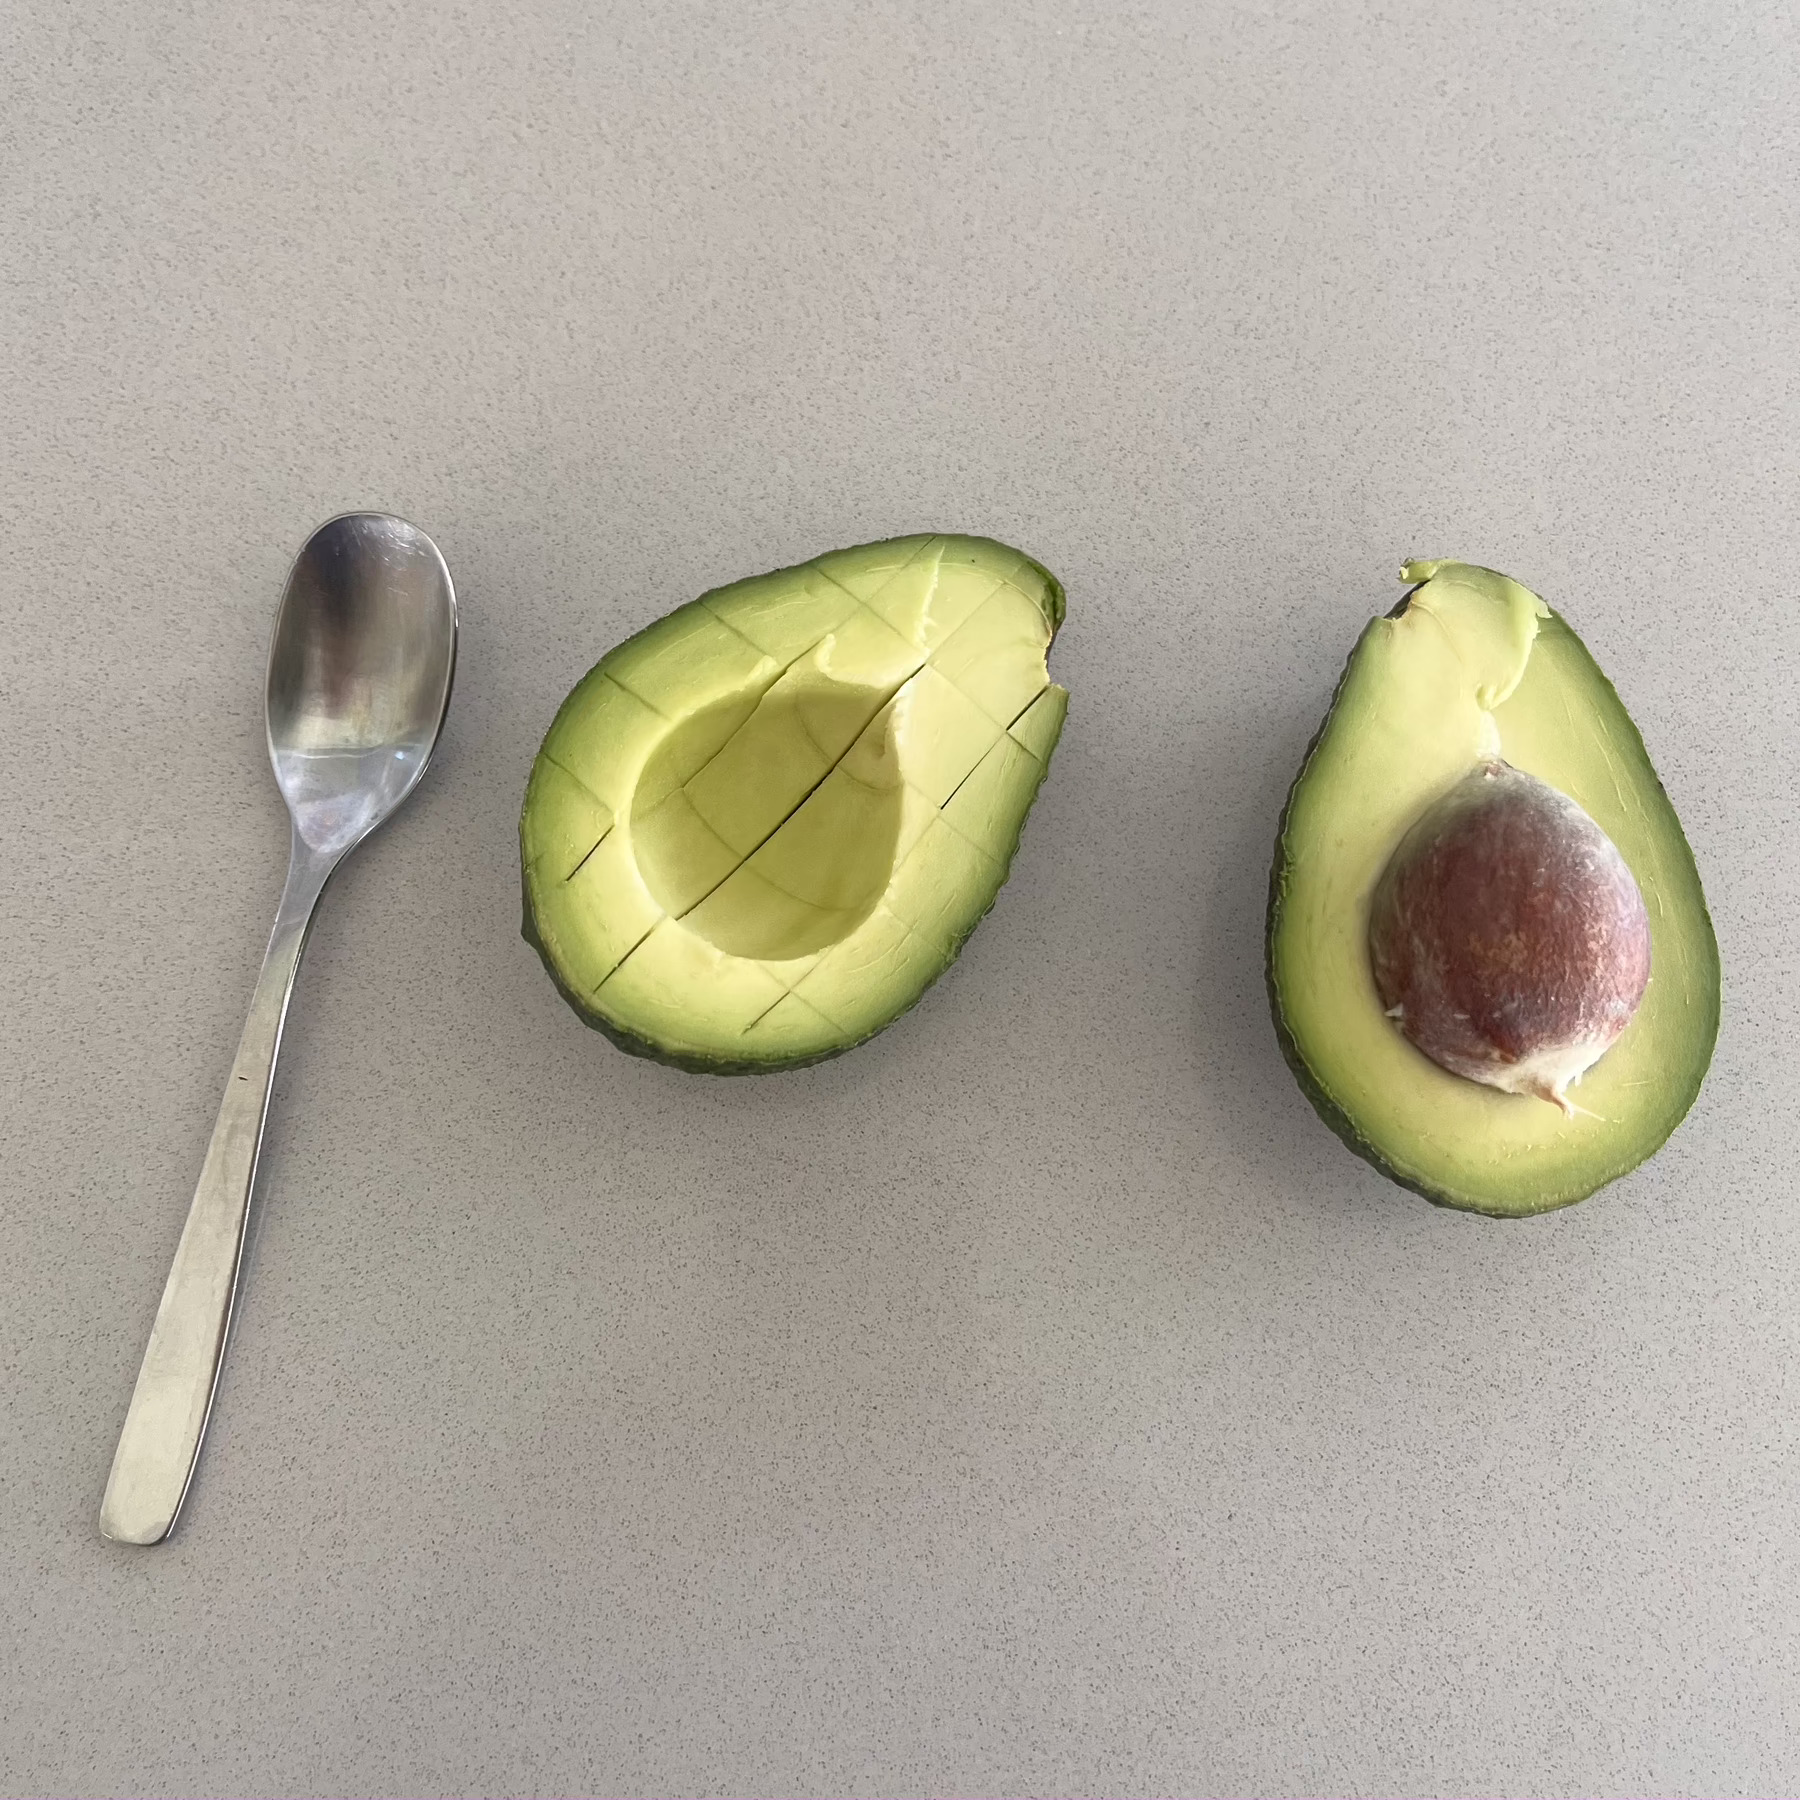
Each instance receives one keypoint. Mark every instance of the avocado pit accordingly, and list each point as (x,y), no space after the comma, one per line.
(1507,936)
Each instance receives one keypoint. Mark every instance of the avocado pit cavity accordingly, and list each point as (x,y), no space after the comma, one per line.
(1507,935)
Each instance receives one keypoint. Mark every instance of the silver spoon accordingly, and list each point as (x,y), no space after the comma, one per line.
(359,680)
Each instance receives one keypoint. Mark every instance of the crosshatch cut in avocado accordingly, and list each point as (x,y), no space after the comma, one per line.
(757,831)
(1476,834)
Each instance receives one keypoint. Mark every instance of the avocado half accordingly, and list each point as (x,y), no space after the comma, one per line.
(757,831)
(1471,665)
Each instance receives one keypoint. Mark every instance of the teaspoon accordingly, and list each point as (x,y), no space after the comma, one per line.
(359,679)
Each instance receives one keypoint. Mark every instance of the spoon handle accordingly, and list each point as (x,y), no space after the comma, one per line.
(161,1440)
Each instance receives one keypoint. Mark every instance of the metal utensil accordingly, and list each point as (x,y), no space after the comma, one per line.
(359,680)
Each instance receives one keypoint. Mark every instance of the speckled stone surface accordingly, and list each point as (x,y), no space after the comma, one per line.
(1038,1400)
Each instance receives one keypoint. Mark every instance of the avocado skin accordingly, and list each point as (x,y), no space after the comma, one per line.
(1328,1109)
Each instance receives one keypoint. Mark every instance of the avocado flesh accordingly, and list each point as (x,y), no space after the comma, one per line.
(1474,665)
(757,831)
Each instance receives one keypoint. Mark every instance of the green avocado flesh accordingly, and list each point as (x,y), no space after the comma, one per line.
(1472,665)
(757,831)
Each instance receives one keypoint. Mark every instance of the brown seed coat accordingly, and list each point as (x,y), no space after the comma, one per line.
(1507,930)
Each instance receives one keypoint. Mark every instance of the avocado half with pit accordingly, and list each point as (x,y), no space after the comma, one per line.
(1477,857)
(759,830)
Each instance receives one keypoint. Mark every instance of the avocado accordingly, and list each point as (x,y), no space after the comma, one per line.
(1480,886)
(758,830)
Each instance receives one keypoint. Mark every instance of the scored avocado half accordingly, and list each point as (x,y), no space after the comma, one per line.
(758,830)
(1471,679)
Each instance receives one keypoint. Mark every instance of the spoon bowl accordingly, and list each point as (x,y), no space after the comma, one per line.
(360,670)
(359,681)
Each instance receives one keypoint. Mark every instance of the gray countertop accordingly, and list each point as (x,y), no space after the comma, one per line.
(1038,1399)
